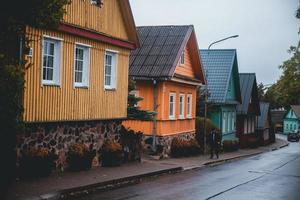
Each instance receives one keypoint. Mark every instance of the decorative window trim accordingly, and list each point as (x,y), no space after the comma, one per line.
(114,69)
(57,61)
(182,58)
(172,116)
(86,65)
(181,106)
(189,106)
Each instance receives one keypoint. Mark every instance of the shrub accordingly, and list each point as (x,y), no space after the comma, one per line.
(230,145)
(253,142)
(111,154)
(80,157)
(37,162)
(132,144)
(200,129)
(183,148)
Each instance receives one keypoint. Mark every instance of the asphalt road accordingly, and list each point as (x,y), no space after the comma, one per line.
(273,175)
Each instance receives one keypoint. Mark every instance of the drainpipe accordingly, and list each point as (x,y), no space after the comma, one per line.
(154,131)
(21,50)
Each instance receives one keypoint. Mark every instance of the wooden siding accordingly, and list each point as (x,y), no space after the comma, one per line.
(186,69)
(108,19)
(165,126)
(64,102)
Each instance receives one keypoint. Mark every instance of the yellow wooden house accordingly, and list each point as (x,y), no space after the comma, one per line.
(77,75)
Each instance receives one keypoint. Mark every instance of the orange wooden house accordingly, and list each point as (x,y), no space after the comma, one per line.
(167,70)
(77,76)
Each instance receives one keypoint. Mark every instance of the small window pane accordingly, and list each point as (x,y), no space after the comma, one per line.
(51,51)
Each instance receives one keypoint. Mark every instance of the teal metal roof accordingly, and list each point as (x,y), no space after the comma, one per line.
(218,65)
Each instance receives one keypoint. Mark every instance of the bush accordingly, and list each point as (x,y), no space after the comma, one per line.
(80,157)
(183,148)
(230,145)
(132,144)
(200,129)
(253,142)
(37,162)
(111,154)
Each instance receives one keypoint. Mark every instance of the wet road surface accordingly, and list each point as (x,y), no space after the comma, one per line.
(272,175)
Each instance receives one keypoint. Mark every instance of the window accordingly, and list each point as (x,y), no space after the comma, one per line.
(51,61)
(172,99)
(224,123)
(182,58)
(287,126)
(233,121)
(189,106)
(229,122)
(295,126)
(181,106)
(245,125)
(81,69)
(97,2)
(291,127)
(110,70)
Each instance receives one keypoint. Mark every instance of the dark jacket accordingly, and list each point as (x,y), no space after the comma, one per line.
(214,138)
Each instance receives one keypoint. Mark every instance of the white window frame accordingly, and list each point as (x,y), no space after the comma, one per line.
(182,58)
(114,67)
(245,125)
(224,122)
(181,106)
(172,115)
(56,60)
(233,121)
(189,105)
(86,65)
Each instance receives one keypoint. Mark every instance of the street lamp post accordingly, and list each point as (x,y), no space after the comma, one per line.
(206,89)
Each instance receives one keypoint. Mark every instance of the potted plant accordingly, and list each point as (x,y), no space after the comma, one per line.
(37,162)
(80,157)
(111,154)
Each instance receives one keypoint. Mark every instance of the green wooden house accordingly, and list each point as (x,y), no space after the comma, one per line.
(223,84)
(291,121)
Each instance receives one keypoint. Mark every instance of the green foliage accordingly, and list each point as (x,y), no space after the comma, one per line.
(286,91)
(134,111)
(200,129)
(14,17)
(184,148)
(261,91)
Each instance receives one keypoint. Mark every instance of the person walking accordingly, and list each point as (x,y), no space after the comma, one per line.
(214,142)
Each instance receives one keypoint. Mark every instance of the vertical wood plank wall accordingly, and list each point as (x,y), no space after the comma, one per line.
(186,69)
(106,19)
(165,126)
(64,102)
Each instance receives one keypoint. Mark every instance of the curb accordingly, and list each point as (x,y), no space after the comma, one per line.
(103,186)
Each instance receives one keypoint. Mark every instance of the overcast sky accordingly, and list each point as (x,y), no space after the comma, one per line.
(266,28)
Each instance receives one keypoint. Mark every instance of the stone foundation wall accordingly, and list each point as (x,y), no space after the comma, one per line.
(164,142)
(57,137)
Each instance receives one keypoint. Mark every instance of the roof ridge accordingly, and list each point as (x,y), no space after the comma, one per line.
(247,73)
(165,26)
(217,49)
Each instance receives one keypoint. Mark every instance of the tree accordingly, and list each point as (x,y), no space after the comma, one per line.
(133,110)
(261,91)
(14,17)
(286,91)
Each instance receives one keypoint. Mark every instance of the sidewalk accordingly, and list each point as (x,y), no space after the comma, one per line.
(101,178)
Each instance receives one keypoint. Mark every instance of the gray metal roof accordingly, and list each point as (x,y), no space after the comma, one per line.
(264,112)
(159,52)
(218,66)
(248,91)
(296,109)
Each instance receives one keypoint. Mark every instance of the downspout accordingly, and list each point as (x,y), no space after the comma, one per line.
(154,131)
